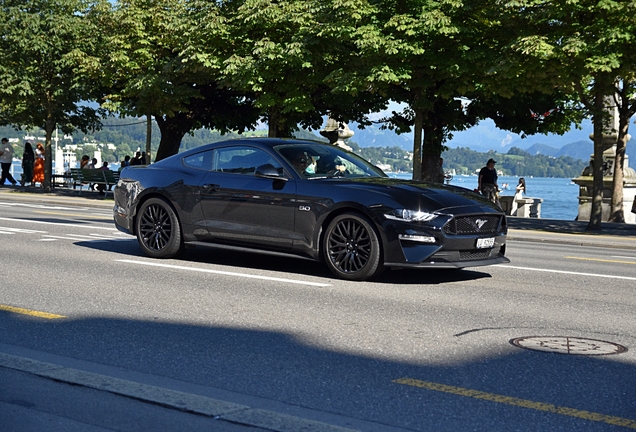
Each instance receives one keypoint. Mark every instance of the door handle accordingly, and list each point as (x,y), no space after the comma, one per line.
(211,187)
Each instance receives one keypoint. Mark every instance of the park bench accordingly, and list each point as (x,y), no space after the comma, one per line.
(81,177)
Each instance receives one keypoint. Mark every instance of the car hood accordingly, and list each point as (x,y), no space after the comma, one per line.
(435,196)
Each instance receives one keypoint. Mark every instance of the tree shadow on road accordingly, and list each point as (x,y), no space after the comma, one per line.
(470,390)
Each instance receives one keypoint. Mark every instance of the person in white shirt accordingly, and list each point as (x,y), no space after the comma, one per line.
(6,159)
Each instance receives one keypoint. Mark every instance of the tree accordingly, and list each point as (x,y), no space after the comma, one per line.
(439,58)
(585,45)
(50,67)
(156,70)
(413,55)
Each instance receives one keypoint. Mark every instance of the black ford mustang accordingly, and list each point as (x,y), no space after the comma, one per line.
(305,199)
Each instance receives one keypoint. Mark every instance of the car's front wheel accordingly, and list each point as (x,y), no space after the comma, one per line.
(158,229)
(352,248)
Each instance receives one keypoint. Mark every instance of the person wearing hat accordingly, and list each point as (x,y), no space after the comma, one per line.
(488,181)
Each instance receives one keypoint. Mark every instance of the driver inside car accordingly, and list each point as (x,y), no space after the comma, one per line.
(330,165)
(301,161)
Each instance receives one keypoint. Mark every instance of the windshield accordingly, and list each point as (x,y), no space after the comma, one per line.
(315,161)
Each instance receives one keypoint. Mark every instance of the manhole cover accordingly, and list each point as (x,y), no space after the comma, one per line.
(568,345)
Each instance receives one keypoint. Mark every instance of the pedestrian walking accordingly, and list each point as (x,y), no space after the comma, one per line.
(6,159)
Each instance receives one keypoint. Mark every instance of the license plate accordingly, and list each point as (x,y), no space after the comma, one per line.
(483,243)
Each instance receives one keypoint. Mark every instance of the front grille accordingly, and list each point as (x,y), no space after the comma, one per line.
(475,224)
(474,254)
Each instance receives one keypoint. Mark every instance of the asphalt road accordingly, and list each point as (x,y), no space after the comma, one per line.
(285,343)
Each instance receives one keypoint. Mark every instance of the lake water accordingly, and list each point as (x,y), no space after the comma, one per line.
(560,195)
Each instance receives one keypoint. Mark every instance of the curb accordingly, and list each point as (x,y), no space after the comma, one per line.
(172,399)
(570,242)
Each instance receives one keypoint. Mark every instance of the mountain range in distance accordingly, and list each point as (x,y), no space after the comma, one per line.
(486,137)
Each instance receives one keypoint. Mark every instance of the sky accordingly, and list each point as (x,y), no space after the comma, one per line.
(486,136)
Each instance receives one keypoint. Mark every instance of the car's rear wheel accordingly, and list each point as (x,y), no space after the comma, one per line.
(352,248)
(158,229)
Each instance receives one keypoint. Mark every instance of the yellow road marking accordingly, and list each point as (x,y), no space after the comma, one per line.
(30,312)
(71,214)
(524,403)
(600,260)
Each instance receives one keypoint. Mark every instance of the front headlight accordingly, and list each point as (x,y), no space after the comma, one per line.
(405,215)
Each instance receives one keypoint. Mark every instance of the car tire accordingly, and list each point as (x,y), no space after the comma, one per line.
(351,247)
(158,229)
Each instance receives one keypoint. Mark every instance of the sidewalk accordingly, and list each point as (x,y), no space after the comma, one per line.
(59,196)
(611,235)
(520,229)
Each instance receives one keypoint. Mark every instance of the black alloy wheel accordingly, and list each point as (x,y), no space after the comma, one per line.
(352,248)
(158,230)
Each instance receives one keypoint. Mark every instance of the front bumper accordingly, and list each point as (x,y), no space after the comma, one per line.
(444,246)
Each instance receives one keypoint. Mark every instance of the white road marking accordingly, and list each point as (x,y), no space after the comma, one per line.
(623,257)
(92,237)
(294,281)
(74,237)
(20,230)
(61,224)
(40,206)
(48,236)
(566,272)
(117,236)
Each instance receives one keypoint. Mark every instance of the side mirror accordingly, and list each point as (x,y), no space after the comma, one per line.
(268,171)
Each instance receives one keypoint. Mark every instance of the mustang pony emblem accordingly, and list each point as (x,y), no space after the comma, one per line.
(480,223)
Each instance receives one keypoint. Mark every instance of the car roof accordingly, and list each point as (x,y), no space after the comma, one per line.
(263,142)
(258,141)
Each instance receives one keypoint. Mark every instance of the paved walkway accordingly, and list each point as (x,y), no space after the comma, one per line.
(520,229)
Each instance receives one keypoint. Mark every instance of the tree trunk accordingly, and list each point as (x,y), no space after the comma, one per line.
(617,214)
(272,124)
(149,137)
(432,148)
(596,212)
(173,129)
(417,144)
(49,127)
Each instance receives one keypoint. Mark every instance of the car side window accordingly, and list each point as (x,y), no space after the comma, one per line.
(242,160)
(201,160)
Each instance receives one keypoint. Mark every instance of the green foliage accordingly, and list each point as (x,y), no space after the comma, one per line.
(199,65)
(398,159)
(51,56)
(586,46)
(51,53)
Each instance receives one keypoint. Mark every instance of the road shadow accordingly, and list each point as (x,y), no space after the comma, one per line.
(302,371)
